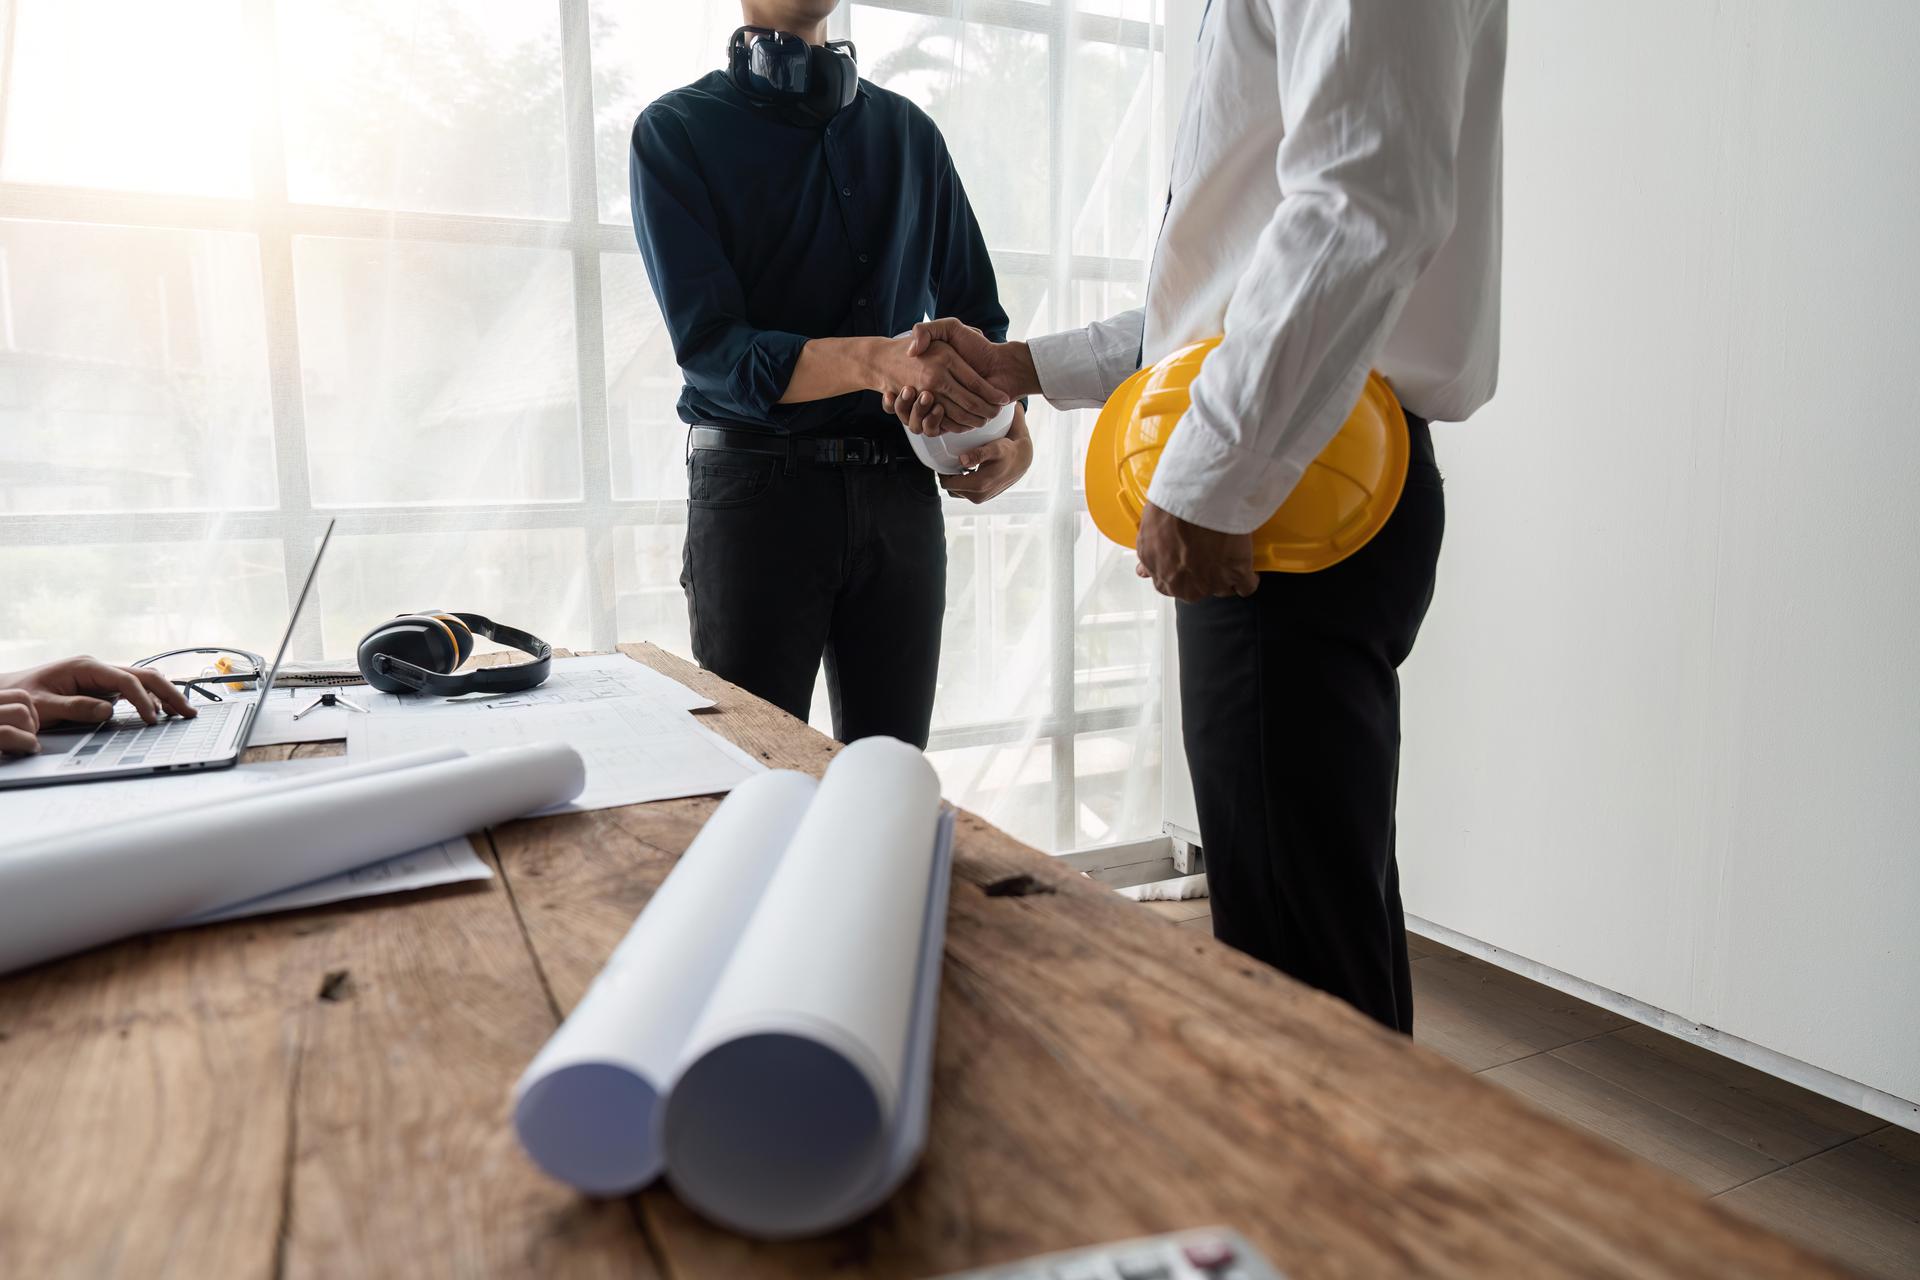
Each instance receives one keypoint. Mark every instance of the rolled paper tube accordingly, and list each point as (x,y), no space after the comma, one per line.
(587,1108)
(80,889)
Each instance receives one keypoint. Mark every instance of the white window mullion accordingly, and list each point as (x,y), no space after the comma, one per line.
(1063,515)
(590,353)
(299,524)
(7,28)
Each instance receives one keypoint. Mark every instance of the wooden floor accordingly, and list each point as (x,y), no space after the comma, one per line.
(1832,1178)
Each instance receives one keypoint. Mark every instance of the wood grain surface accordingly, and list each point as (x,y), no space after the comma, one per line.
(192,1104)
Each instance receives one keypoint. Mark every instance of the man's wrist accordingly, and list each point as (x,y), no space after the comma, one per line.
(864,357)
(861,361)
(1016,359)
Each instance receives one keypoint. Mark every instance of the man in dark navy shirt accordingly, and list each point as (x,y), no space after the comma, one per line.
(793,219)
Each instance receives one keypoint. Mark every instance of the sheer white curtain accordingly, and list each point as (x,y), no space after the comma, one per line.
(266,262)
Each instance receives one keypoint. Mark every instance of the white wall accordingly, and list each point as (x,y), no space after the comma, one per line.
(1663,727)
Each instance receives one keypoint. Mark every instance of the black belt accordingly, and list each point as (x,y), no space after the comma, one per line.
(833,451)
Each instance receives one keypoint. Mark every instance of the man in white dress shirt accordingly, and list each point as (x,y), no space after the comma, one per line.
(1335,208)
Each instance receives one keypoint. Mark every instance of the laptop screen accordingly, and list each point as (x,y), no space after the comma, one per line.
(286,637)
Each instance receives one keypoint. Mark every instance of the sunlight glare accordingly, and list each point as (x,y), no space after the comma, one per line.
(130,95)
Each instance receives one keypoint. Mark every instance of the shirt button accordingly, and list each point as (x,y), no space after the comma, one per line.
(860,302)
(846,191)
(865,258)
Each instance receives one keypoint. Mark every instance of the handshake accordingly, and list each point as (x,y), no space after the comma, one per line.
(951,377)
(947,376)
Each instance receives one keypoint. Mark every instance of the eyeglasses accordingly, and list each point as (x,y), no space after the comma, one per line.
(198,670)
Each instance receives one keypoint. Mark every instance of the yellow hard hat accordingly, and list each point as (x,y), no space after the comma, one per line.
(1343,499)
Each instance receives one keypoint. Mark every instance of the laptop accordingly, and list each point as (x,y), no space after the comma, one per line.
(127,747)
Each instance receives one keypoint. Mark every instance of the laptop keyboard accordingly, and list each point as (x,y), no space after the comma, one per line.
(126,741)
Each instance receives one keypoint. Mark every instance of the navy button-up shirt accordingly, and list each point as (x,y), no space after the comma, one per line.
(759,233)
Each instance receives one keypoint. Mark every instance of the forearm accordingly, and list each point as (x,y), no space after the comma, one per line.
(835,366)
(831,367)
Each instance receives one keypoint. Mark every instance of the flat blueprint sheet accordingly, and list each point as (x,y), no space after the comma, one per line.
(449,862)
(36,812)
(636,749)
(276,726)
(599,678)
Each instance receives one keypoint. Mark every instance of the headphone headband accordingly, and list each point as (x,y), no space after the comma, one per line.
(390,656)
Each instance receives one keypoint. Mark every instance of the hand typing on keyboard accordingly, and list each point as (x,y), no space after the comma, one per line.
(19,723)
(80,691)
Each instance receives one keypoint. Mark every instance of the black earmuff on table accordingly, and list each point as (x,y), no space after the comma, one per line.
(420,653)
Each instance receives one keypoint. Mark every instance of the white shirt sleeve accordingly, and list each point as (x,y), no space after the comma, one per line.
(1372,94)
(1080,368)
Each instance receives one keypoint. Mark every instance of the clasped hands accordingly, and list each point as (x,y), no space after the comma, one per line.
(946,377)
(78,691)
(1182,559)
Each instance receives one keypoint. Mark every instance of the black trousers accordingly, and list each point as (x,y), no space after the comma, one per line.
(787,564)
(1290,703)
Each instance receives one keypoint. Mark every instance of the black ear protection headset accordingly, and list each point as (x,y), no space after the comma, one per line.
(818,80)
(419,652)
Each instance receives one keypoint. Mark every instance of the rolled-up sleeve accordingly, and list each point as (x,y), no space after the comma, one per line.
(720,353)
(1373,94)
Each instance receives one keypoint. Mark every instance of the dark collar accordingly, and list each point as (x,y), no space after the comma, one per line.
(845,116)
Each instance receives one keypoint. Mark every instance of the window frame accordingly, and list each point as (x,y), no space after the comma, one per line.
(275,221)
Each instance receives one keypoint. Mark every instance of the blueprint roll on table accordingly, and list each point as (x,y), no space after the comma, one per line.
(763,1035)
(82,888)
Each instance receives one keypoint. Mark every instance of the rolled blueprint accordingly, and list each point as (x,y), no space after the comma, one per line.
(764,1034)
(82,888)
(587,1108)
(797,1080)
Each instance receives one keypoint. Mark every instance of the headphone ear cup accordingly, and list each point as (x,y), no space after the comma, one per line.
(462,637)
(423,641)
(837,69)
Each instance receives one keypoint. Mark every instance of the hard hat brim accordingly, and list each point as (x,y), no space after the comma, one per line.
(1104,502)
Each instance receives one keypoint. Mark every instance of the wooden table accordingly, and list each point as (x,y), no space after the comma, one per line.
(325,1093)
